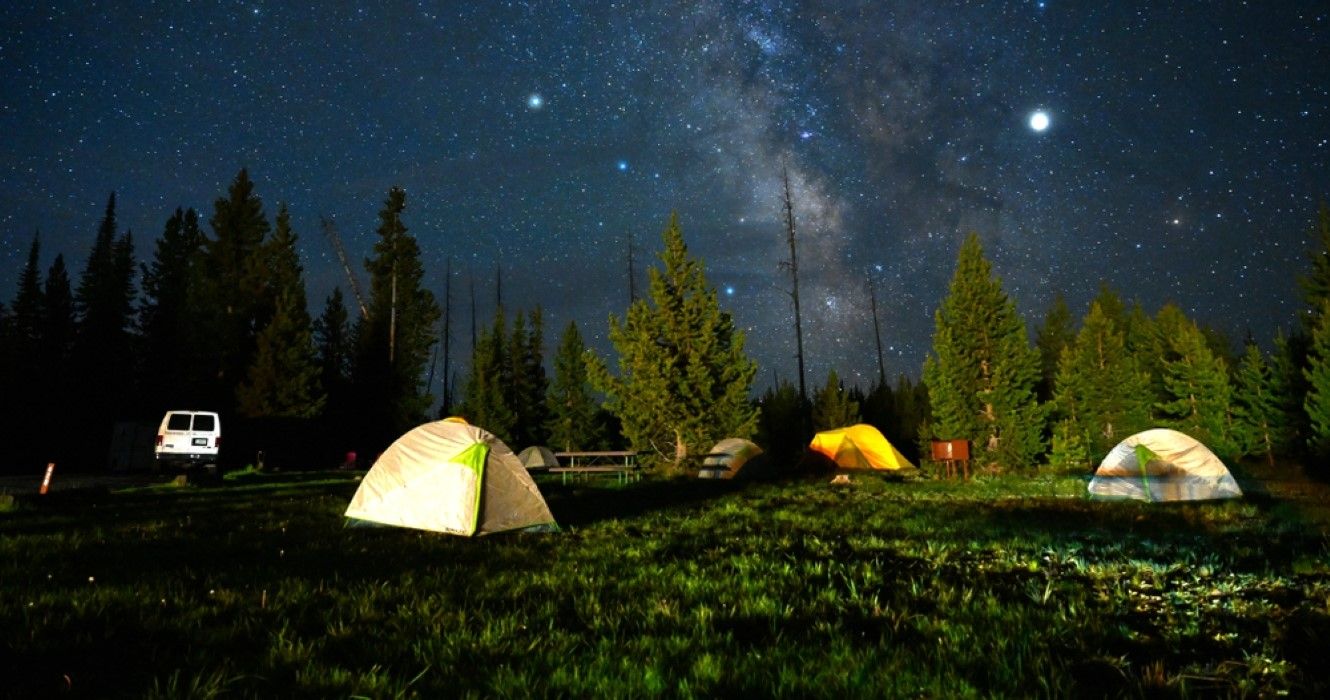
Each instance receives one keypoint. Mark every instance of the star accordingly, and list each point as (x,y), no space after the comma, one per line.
(535,101)
(622,166)
(1039,120)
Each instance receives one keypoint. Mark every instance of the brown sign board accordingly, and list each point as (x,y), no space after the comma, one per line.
(944,450)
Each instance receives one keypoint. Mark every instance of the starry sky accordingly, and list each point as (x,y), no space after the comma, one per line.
(1178,151)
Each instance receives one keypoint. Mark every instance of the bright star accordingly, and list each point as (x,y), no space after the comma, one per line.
(535,101)
(622,165)
(729,291)
(1039,120)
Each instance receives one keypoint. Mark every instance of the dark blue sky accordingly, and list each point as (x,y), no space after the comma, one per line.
(1185,156)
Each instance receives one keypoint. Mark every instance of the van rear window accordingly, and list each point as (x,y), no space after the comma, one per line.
(203,423)
(178,421)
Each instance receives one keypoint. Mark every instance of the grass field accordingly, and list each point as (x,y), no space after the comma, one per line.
(254,587)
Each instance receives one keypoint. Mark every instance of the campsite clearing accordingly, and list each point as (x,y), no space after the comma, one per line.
(1012,586)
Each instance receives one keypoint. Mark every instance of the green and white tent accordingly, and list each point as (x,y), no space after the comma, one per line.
(1163,465)
(448,476)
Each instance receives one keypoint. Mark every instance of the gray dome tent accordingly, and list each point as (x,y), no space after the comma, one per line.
(538,457)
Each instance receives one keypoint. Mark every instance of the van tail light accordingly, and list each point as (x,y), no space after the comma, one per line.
(160,437)
(217,442)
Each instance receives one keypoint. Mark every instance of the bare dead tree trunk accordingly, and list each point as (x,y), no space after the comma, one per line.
(793,266)
(877,334)
(447,334)
(632,273)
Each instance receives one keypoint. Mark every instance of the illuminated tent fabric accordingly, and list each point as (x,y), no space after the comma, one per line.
(858,447)
(538,457)
(727,457)
(1178,468)
(448,476)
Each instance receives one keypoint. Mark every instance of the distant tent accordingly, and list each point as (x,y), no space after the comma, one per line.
(448,476)
(1177,468)
(727,457)
(858,447)
(537,457)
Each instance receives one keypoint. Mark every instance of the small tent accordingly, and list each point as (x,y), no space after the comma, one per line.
(1177,468)
(538,458)
(727,457)
(448,476)
(858,447)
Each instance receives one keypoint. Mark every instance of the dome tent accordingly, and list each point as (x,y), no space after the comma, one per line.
(727,457)
(1177,468)
(858,447)
(538,457)
(448,476)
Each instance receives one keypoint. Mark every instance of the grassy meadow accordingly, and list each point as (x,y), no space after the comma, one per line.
(1002,586)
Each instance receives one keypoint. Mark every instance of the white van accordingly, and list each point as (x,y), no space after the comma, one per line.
(189,439)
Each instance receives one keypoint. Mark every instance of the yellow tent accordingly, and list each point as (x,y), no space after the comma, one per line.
(858,447)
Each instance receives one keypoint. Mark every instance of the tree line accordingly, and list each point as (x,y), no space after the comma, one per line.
(1080,388)
(219,320)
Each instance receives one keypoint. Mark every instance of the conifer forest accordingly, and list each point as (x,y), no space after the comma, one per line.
(215,315)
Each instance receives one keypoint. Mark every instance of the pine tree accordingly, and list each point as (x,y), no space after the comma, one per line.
(20,360)
(486,399)
(877,408)
(175,326)
(1055,333)
(1101,394)
(393,343)
(238,291)
(24,326)
(570,400)
(982,373)
(103,351)
(833,406)
(911,410)
(1195,392)
(283,379)
(783,421)
(1258,418)
(61,386)
(1317,372)
(1290,387)
(683,377)
(1316,283)
(332,338)
(528,384)
(57,334)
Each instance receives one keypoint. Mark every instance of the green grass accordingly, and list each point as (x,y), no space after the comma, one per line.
(252,586)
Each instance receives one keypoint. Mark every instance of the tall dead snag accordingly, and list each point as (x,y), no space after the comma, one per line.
(793,266)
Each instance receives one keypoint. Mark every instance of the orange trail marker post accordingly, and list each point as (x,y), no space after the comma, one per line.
(46,482)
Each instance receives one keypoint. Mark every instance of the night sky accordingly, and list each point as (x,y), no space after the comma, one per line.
(1182,156)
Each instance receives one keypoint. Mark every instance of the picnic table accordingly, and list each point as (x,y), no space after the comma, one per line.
(621,464)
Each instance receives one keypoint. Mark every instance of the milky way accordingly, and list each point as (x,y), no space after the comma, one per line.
(1185,156)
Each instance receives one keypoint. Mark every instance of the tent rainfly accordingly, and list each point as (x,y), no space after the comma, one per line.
(858,447)
(727,457)
(448,476)
(1177,468)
